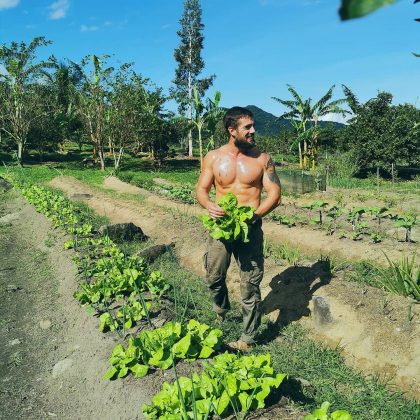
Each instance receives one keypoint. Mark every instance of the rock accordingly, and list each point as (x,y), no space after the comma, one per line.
(123,232)
(89,163)
(81,196)
(15,342)
(12,288)
(155,251)
(5,185)
(9,218)
(45,324)
(321,312)
(61,366)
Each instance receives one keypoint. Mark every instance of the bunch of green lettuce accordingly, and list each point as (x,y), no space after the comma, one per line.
(160,347)
(233,225)
(230,384)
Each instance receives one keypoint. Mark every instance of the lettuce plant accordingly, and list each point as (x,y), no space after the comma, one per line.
(231,383)
(233,225)
(160,347)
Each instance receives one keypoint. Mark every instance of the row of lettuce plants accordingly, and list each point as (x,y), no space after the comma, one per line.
(110,279)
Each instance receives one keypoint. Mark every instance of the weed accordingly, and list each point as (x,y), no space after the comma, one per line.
(286,252)
(402,277)
(15,359)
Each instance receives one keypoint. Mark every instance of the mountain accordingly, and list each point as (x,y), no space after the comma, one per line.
(267,124)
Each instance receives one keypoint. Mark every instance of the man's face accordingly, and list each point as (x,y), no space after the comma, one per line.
(244,133)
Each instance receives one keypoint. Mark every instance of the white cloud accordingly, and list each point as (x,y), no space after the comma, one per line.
(59,9)
(336,118)
(88,28)
(8,4)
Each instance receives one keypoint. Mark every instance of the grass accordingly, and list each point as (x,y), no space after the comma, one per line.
(400,187)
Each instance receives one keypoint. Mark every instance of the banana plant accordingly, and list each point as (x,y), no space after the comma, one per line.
(205,116)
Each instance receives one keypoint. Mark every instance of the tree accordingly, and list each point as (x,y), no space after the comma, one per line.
(381,134)
(305,117)
(190,63)
(20,80)
(206,115)
(92,101)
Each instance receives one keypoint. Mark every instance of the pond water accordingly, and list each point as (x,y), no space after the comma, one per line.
(301,182)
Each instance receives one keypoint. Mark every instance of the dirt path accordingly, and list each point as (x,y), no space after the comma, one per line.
(52,354)
(378,332)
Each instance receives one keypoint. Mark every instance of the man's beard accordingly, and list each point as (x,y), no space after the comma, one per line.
(244,144)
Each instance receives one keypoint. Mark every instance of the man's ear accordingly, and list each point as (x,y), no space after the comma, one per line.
(232,131)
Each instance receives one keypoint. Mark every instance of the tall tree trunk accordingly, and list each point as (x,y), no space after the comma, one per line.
(200,144)
(20,152)
(190,140)
(300,156)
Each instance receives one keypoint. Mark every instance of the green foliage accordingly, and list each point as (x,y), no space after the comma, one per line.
(351,9)
(159,348)
(234,224)
(406,221)
(381,134)
(126,317)
(316,205)
(401,277)
(322,413)
(230,384)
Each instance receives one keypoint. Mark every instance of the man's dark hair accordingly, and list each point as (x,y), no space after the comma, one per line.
(233,115)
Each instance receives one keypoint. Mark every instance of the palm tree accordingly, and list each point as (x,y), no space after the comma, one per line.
(301,113)
(322,108)
(20,79)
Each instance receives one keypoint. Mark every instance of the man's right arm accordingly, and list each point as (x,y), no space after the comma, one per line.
(205,182)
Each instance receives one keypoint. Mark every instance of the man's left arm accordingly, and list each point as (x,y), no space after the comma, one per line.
(271,185)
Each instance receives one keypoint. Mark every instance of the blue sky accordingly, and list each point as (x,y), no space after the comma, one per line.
(255,47)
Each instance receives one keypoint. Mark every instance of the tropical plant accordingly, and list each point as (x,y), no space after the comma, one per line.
(205,116)
(19,82)
(305,117)
(93,100)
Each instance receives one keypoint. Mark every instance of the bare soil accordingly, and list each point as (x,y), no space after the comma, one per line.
(377,332)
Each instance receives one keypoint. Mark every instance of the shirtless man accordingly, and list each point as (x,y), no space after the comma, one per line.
(238,167)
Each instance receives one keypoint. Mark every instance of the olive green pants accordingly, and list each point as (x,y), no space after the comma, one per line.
(250,260)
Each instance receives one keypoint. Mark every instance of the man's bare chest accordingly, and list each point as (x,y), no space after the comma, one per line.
(244,170)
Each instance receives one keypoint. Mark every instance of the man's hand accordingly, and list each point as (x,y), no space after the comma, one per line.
(215,211)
